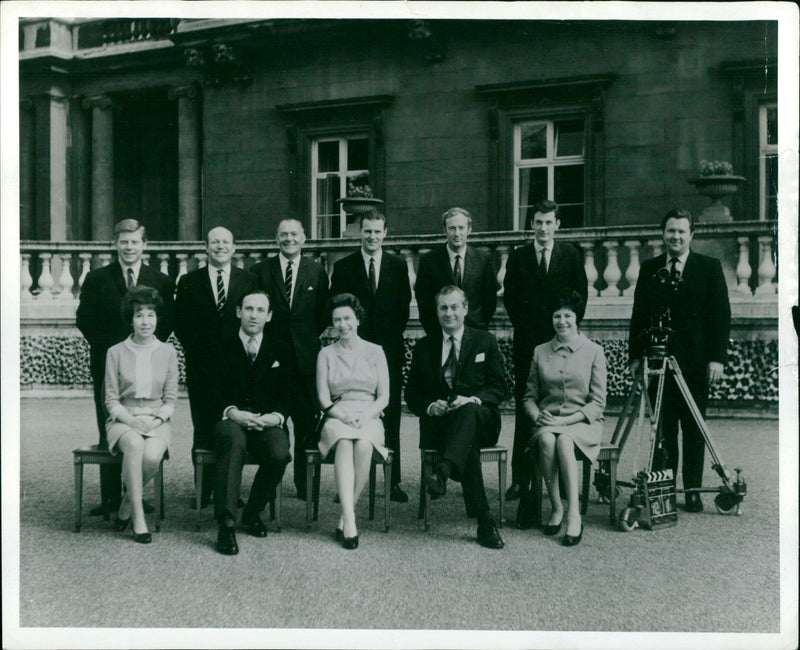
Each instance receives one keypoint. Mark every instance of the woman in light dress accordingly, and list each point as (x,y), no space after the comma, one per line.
(141,388)
(353,384)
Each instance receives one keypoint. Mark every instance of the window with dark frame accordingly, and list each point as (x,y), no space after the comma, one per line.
(768,161)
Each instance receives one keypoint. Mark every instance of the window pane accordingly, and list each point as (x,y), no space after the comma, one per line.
(772,125)
(533,140)
(570,216)
(771,168)
(568,185)
(328,155)
(358,154)
(569,138)
(327,210)
(532,189)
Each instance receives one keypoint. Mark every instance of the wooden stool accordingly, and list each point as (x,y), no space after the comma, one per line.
(203,457)
(430,457)
(94,455)
(314,464)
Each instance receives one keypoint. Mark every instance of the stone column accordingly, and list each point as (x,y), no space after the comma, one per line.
(27,161)
(189,159)
(102,167)
(51,167)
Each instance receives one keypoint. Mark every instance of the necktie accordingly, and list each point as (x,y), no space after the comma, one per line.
(252,349)
(450,364)
(373,284)
(673,272)
(220,294)
(543,261)
(130,278)
(287,283)
(457,270)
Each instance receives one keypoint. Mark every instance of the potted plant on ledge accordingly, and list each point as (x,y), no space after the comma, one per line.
(716,181)
(359,199)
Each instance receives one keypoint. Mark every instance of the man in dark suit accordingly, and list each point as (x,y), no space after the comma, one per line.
(459,264)
(456,385)
(527,285)
(251,399)
(380,282)
(298,287)
(692,286)
(99,318)
(205,316)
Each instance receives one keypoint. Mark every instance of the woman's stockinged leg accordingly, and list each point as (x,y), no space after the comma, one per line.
(565,448)
(131,445)
(154,449)
(549,466)
(345,484)
(362,455)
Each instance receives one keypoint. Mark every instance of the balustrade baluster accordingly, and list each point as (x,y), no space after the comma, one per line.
(146,258)
(163,264)
(255,258)
(86,266)
(202,260)
(743,268)
(105,259)
(408,255)
(612,273)
(182,265)
(632,272)
(65,280)
(238,260)
(26,281)
(590,268)
(45,278)
(766,268)
(657,245)
(501,274)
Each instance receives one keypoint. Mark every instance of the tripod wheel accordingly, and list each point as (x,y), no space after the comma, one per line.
(629,519)
(727,503)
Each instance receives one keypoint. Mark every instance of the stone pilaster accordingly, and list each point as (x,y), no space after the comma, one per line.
(102,166)
(50,167)
(189,162)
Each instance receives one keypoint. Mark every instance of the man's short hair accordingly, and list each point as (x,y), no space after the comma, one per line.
(129,225)
(253,292)
(677,213)
(283,221)
(233,238)
(140,296)
(542,207)
(446,290)
(456,212)
(372,215)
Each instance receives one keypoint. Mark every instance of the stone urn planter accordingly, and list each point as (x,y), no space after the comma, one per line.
(716,181)
(355,206)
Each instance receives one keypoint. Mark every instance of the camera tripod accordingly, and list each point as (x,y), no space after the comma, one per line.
(653,500)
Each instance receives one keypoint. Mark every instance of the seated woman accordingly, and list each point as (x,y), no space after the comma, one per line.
(141,387)
(354,371)
(565,398)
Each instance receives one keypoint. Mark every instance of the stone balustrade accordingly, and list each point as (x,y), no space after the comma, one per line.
(52,273)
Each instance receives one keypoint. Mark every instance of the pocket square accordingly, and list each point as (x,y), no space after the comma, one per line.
(275,364)
(310,289)
(480,357)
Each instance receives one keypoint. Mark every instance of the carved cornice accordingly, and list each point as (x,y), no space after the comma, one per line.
(183,92)
(103,102)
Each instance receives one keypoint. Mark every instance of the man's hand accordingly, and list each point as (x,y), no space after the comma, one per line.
(634,367)
(714,373)
(270,420)
(460,400)
(439,408)
(245,419)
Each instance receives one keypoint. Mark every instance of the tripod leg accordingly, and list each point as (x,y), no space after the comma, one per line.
(656,420)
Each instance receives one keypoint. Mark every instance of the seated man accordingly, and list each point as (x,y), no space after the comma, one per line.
(251,398)
(455,386)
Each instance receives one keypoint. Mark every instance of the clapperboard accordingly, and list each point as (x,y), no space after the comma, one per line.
(660,505)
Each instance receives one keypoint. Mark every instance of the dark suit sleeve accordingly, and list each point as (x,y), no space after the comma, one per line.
(167,321)
(338,279)
(403,296)
(719,312)
(579,281)
(425,293)
(417,397)
(88,318)
(494,389)
(512,288)
(489,287)
(323,293)
(187,331)
(641,314)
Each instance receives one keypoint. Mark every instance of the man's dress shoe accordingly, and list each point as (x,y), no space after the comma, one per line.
(526,515)
(488,536)
(226,541)
(693,502)
(255,527)
(437,483)
(512,493)
(397,495)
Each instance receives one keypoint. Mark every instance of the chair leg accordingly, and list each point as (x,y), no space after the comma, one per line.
(587,481)
(198,488)
(537,482)
(421,508)
(78,474)
(158,494)
(309,482)
(427,468)
(501,472)
(387,491)
(317,478)
(275,506)
(372,479)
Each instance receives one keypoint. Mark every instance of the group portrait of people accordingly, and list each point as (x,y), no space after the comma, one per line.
(254,360)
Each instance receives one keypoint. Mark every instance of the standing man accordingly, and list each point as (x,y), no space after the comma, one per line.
(456,385)
(530,279)
(99,318)
(299,290)
(380,282)
(252,402)
(459,264)
(693,288)
(205,316)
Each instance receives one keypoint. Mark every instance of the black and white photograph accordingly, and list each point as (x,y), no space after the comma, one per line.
(399,324)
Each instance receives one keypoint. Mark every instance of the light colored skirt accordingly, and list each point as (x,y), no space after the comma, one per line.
(115,429)
(334,430)
(587,437)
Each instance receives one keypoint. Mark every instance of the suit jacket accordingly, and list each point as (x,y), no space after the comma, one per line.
(387,311)
(699,309)
(480,372)
(99,315)
(526,291)
(269,374)
(198,327)
(303,322)
(479,284)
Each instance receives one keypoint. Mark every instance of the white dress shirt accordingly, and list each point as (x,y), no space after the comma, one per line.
(135,268)
(226,278)
(538,247)
(452,255)
(284,261)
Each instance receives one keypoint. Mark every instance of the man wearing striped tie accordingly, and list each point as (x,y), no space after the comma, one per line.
(99,319)
(205,315)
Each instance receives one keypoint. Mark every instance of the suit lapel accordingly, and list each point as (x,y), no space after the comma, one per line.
(466,346)
(469,264)
(444,262)
(361,273)
(299,278)
(119,279)
(277,277)
(208,291)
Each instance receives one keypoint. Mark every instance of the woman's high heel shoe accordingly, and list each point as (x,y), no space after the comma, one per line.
(350,543)
(142,538)
(552,529)
(122,524)
(569,540)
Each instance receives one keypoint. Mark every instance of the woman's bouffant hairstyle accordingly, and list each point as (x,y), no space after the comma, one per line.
(138,297)
(567,299)
(346,300)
